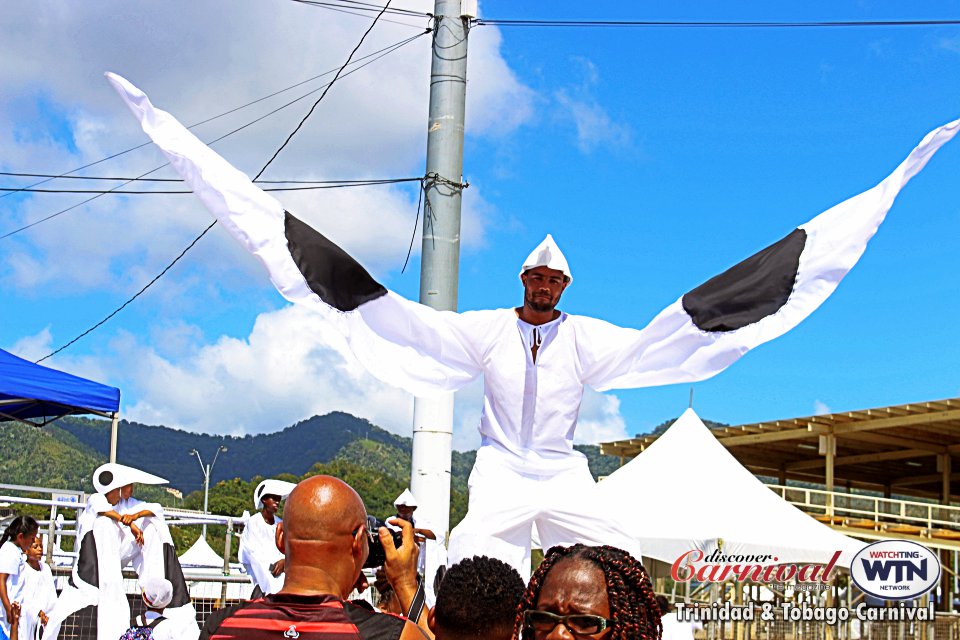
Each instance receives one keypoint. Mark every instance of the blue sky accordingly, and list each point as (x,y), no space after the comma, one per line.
(657,158)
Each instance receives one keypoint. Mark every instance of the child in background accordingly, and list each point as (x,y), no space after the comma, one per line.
(157,593)
(39,592)
(14,543)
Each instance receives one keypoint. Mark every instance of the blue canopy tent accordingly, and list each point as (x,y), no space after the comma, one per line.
(37,395)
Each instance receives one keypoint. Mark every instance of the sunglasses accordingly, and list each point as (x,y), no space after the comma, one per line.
(579,624)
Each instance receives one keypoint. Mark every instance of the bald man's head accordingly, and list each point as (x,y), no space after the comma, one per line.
(323,536)
(321,508)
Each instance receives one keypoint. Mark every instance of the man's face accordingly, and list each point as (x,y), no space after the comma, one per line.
(405,512)
(126,492)
(270,503)
(542,288)
(113,496)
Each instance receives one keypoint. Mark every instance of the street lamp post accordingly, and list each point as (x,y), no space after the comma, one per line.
(206,481)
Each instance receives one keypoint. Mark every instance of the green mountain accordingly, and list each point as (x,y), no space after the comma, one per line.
(166,452)
(372,460)
(46,457)
(294,450)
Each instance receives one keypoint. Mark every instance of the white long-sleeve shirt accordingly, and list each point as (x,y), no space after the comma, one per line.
(258,551)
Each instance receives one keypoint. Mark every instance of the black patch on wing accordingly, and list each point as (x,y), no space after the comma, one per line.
(749,291)
(330,272)
(88,569)
(174,573)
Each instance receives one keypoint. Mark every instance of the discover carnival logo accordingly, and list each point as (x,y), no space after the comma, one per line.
(719,567)
(895,569)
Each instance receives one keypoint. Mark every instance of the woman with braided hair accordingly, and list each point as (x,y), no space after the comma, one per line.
(588,592)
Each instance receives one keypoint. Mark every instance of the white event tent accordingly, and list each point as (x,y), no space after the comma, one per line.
(200,559)
(686,491)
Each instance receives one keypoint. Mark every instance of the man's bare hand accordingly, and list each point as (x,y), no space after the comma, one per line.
(127,519)
(400,565)
(277,567)
(137,534)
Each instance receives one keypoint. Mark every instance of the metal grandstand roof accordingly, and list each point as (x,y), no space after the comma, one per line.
(904,449)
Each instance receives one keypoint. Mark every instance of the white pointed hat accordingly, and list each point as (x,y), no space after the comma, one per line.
(271,487)
(547,254)
(111,475)
(406,499)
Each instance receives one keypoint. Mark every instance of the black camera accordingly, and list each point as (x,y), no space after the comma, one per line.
(377,555)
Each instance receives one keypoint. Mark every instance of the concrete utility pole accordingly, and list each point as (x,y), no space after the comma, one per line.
(433,417)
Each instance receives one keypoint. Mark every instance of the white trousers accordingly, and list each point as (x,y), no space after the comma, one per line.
(506,504)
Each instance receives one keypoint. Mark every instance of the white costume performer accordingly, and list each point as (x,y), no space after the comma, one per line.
(258,544)
(526,470)
(157,560)
(97,579)
(433,553)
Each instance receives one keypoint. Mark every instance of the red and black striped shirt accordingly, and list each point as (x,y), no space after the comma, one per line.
(322,617)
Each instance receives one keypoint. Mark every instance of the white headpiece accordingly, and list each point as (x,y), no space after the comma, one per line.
(406,499)
(108,477)
(157,592)
(271,487)
(547,254)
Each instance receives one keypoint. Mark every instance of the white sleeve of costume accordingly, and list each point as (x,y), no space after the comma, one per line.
(422,350)
(755,301)
(402,343)
(258,550)
(98,503)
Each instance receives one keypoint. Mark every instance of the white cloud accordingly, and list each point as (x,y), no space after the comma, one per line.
(196,60)
(950,44)
(33,347)
(292,366)
(820,408)
(594,126)
(600,419)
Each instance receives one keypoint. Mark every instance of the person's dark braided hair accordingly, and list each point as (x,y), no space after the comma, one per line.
(477,598)
(20,525)
(633,605)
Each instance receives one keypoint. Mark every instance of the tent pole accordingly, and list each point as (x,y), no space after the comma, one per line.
(113,436)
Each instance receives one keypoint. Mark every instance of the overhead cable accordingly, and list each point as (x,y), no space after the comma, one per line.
(67,174)
(700,25)
(382,53)
(337,184)
(211,225)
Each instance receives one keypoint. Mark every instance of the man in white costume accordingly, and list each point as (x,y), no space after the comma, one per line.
(97,578)
(433,548)
(535,360)
(258,544)
(156,557)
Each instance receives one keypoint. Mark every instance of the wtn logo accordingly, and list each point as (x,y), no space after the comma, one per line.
(903,570)
(895,569)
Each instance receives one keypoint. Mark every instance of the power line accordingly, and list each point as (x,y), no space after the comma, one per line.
(387,49)
(127,179)
(211,225)
(312,186)
(383,52)
(327,89)
(343,5)
(135,296)
(725,25)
